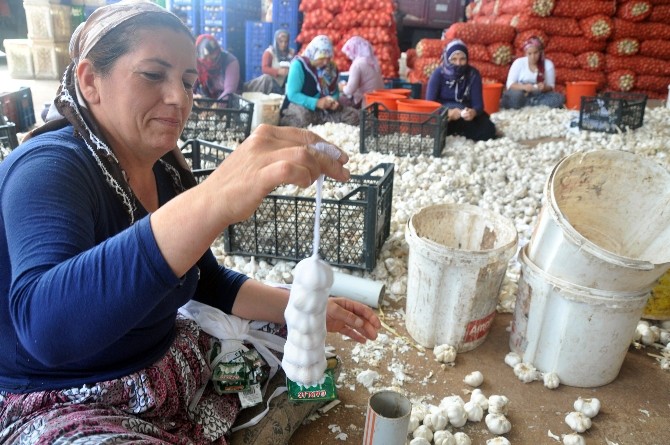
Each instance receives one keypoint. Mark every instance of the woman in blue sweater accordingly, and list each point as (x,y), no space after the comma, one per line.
(312,90)
(458,86)
(104,235)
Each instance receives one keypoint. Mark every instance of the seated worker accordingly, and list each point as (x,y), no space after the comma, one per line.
(531,80)
(274,64)
(458,86)
(312,89)
(365,74)
(94,347)
(218,70)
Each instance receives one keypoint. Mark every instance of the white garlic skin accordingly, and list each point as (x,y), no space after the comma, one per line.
(474,379)
(498,424)
(498,441)
(573,439)
(579,422)
(588,407)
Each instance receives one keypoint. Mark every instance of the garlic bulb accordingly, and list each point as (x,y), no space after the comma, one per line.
(436,420)
(414,423)
(588,407)
(474,379)
(498,404)
(443,437)
(462,438)
(525,372)
(419,441)
(578,422)
(423,432)
(551,380)
(474,411)
(498,441)
(454,407)
(445,353)
(480,399)
(420,410)
(645,333)
(498,423)
(512,359)
(573,439)
(304,358)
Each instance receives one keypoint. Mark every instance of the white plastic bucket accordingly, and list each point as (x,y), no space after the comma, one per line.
(581,334)
(458,256)
(266,108)
(604,224)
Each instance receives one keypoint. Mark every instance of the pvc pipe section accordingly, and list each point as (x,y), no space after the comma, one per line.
(358,289)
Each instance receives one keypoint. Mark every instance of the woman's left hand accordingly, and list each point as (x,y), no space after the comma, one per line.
(352,318)
(468,114)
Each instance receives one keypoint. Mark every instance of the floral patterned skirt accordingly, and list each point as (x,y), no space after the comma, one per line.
(150,406)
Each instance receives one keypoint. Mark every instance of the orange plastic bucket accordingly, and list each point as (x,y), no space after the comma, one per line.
(574,92)
(386,99)
(405,92)
(417,105)
(491,93)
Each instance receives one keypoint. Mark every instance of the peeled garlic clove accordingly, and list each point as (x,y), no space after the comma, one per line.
(475,379)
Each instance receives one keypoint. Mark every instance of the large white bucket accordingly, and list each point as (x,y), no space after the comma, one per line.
(266,108)
(579,333)
(604,222)
(458,256)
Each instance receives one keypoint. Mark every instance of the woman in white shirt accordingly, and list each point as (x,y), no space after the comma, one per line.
(531,80)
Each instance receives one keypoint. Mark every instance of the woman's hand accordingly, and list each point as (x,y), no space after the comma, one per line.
(467,114)
(352,319)
(454,114)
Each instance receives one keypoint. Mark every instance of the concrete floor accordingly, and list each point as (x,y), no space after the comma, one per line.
(635,407)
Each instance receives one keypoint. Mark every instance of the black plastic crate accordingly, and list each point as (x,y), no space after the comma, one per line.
(219,121)
(353,228)
(402,133)
(612,112)
(415,87)
(17,107)
(8,140)
(203,157)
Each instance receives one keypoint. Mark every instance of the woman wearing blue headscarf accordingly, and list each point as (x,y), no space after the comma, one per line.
(312,91)
(458,86)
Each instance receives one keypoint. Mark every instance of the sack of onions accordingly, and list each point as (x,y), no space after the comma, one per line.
(553,26)
(635,10)
(596,27)
(539,8)
(623,47)
(583,8)
(660,14)
(501,53)
(659,49)
(480,33)
(652,83)
(621,80)
(563,60)
(573,45)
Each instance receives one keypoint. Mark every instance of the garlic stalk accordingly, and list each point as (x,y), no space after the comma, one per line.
(498,423)
(579,422)
(588,407)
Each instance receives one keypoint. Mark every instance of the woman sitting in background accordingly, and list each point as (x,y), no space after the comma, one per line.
(365,74)
(274,64)
(312,91)
(218,70)
(531,80)
(458,86)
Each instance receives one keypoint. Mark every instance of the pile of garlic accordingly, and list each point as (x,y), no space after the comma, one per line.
(654,335)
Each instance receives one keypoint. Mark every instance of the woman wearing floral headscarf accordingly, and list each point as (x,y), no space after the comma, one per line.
(312,91)
(458,86)
(274,64)
(531,80)
(365,74)
(218,70)
(94,345)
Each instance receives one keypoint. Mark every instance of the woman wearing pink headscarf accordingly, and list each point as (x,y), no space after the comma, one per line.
(531,79)
(365,74)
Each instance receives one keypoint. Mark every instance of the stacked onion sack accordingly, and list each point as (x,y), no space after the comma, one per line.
(341,19)
(622,45)
(638,53)
(489,50)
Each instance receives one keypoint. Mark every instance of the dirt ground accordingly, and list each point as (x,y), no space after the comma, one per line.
(635,407)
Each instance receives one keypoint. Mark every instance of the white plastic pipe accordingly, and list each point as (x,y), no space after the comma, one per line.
(359,289)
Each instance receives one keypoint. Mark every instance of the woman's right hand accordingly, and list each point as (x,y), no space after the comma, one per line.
(325,103)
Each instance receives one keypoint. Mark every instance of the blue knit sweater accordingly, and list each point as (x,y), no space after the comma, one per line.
(84,297)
